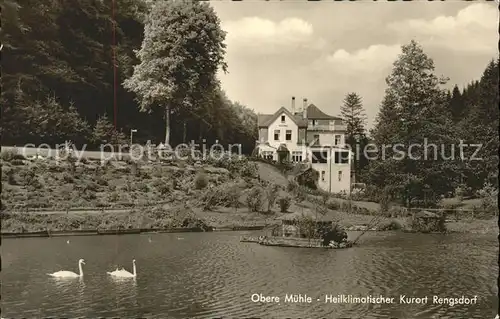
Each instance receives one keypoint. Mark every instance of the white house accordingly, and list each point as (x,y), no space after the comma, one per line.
(308,135)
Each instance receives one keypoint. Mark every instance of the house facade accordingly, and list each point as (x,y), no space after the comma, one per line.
(308,135)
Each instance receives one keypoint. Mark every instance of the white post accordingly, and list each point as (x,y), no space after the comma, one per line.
(132,131)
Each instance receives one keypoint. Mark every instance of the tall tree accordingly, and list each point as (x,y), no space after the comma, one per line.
(480,127)
(417,106)
(354,115)
(387,121)
(180,55)
(457,105)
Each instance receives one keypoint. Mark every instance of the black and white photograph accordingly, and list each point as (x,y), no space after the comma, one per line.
(179,159)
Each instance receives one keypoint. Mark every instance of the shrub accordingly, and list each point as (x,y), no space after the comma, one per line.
(385,200)
(308,178)
(91,186)
(332,233)
(11,178)
(254,199)
(175,183)
(292,186)
(284,203)
(300,197)
(163,188)
(420,203)
(489,197)
(333,205)
(392,225)
(67,178)
(30,179)
(426,226)
(272,191)
(201,180)
(100,181)
(89,195)
(142,187)
(358,194)
(223,195)
(113,197)
(234,197)
(371,193)
(250,170)
(10,155)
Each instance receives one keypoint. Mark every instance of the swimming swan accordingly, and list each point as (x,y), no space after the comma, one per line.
(69,274)
(123,273)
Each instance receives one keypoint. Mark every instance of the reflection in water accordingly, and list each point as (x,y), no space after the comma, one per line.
(69,291)
(214,275)
(125,291)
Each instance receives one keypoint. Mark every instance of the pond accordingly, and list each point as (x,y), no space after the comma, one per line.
(210,275)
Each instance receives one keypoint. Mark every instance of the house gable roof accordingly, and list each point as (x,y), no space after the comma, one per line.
(313,112)
(265,120)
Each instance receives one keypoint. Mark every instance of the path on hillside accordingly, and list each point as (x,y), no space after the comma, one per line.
(271,174)
(45,152)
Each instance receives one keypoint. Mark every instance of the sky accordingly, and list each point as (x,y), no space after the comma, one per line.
(323,50)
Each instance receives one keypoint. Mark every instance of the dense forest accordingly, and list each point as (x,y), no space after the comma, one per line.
(59,83)
(416,109)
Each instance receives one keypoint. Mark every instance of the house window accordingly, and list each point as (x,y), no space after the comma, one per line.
(323,176)
(316,138)
(288,135)
(277,135)
(282,119)
(319,157)
(340,176)
(338,139)
(296,156)
(267,155)
(314,122)
(341,158)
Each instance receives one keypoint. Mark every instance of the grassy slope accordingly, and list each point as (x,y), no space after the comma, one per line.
(115,186)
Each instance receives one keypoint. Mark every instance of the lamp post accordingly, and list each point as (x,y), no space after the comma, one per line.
(355,158)
(132,131)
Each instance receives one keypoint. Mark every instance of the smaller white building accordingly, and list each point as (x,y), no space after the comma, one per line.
(334,167)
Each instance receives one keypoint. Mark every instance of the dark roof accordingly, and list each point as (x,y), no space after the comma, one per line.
(265,120)
(313,112)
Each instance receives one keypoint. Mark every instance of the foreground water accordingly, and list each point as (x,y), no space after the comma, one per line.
(209,275)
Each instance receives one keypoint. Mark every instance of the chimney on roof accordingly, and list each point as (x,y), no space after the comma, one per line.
(293,105)
(304,109)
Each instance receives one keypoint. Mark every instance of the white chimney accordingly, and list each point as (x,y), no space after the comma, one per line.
(304,109)
(293,105)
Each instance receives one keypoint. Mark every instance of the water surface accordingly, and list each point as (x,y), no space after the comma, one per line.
(209,275)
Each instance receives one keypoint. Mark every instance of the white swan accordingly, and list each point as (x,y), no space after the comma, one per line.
(123,273)
(69,274)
